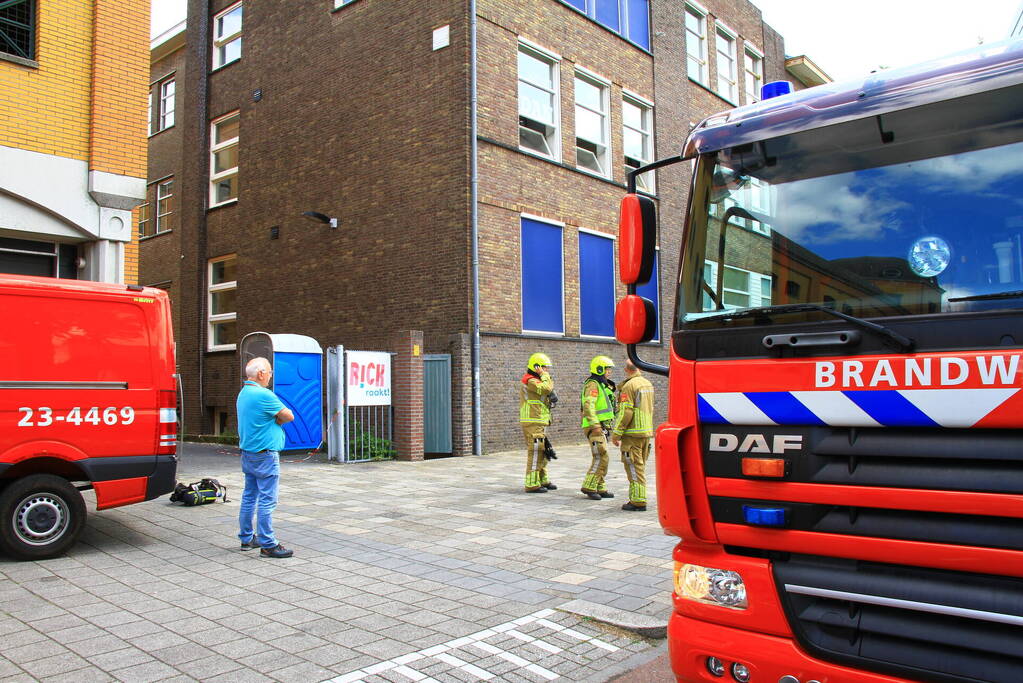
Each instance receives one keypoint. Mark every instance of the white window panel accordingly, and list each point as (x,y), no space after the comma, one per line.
(696,45)
(538,102)
(224,159)
(166,104)
(164,206)
(726,65)
(740,288)
(221,304)
(227,36)
(638,140)
(592,145)
(754,67)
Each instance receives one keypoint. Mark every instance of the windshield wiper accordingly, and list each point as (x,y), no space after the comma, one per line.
(1015,294)
(904,344)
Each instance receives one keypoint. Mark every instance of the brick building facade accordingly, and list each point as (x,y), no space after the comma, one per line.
(361,110)
(72,136)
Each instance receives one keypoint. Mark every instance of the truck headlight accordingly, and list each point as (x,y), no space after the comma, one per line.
(710,586)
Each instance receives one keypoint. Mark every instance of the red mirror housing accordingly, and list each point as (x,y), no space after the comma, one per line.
(635,320)
(637,239)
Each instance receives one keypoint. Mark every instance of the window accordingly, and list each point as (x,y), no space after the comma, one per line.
(696,44)
(741,288)
(651,290)
(628,18)
(227,36)
(596,285)
(165,206)
(591,125)
(29,257)
(538,102)
(221,304)
(726,64)
(542,275)
(18,28)
(754,74)
(161,106)
(638,139)
(224,159)
(145,220)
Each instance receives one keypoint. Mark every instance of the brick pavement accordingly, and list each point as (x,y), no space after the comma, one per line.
(442,570)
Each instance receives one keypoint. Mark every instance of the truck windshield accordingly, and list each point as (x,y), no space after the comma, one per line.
(918,212)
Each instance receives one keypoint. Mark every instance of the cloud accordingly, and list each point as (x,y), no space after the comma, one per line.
(983,171)
(831,209)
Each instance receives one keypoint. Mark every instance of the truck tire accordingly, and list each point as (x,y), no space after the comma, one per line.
(41,516)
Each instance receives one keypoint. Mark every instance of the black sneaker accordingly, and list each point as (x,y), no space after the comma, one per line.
(634,508)
(593,495)
(550,486)
(606,494)
(278,551)
(250,544)
(542,489)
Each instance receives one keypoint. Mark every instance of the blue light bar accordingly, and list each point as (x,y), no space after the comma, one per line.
(775,89)
(764,516)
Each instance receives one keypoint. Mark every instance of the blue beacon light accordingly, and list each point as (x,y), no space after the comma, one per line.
(763,516)
(775,89)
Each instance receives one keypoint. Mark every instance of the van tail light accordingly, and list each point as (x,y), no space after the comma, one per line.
(167,425)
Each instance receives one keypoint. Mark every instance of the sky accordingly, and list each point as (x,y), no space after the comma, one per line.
(845,38)
(850,39)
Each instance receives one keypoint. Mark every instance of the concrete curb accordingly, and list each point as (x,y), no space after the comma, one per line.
(642,624)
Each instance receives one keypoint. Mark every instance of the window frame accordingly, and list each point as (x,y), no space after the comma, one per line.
(28,58)
(145,219)
(625,28)
(700,13)
(610,275)
(213,319)
(161,217)
(751,275)
(159,111)
(604,86)
(748,51)
(727,87)
(561,261)
(552,139)
(645,182)
(219,42)
(217,147)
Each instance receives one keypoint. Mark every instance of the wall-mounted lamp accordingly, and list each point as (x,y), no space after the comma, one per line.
(318,217)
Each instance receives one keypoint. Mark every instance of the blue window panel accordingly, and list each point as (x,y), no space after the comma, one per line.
(578,4)
(596,285)
(639,23)
(649,291)
(542,278)
(607,14)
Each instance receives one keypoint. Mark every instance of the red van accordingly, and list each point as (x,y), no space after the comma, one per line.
(88,399)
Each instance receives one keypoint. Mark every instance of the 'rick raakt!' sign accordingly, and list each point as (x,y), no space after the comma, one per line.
(369,378)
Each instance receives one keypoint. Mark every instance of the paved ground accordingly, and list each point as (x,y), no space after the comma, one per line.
(441,570)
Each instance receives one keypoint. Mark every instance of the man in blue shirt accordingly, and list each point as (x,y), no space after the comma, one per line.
(261,437)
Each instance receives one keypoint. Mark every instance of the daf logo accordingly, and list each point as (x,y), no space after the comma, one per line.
(756,443)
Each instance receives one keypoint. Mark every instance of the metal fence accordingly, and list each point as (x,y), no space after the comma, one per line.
(354,433)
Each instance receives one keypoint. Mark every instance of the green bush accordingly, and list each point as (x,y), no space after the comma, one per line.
(362,444)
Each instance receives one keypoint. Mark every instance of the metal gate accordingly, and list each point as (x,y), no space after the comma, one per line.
(437,403)
(356,433)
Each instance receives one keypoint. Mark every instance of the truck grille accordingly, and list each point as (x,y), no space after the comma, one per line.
(922,624)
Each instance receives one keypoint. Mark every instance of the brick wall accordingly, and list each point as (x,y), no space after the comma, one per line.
(407,393)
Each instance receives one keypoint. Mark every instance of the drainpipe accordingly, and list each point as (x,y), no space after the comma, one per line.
(477,425)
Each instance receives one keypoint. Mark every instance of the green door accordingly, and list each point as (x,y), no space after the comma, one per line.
(437,403)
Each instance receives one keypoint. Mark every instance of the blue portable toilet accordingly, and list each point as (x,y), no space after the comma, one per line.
(297,380)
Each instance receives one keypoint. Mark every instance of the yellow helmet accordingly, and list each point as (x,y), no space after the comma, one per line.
(538,359)
(599,364)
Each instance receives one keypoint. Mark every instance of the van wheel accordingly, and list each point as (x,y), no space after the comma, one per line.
(41,516)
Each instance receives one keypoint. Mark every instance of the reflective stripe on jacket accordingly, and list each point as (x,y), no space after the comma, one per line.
(635,408)
(598,408)
(534,399)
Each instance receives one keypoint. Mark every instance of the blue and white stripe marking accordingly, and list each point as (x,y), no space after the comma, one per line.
(886,408)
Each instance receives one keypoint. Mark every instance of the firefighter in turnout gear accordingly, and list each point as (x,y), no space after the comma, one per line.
(536,396)
(634,428)
(598,406)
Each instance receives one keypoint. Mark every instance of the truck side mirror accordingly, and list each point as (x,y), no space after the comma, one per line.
(637,239)
(635,320)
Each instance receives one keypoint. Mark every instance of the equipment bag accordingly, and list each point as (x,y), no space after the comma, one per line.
(199,492)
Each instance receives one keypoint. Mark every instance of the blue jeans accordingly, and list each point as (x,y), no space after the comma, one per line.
(262,473)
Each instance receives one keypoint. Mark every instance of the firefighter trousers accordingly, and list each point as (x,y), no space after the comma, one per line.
(594,482)
(536,460)
(635,451)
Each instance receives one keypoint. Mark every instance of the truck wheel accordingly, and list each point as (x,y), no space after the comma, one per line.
(40,517)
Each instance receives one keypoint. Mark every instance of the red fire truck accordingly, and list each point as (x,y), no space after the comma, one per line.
(87,401)
(843,455)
